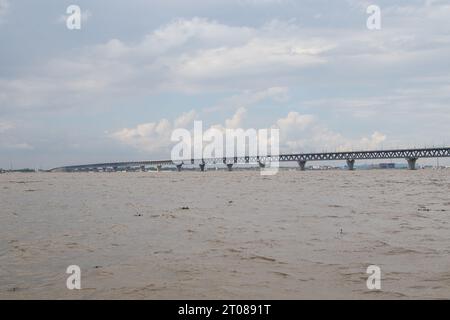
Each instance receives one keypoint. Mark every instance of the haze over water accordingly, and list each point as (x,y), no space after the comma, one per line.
(224,234)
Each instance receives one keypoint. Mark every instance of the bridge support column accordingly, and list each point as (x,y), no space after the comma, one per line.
(202,167)
(230,166)
(411,163)
(302,164)
(179,167)
(158,168)
(351,164)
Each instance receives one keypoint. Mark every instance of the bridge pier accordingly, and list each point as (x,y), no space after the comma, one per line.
(302,164)
(411,163)
(202,166)
(351,164)
(230,166)
(158,168)
(179,167)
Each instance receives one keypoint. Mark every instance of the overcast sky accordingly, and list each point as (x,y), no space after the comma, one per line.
(136,70)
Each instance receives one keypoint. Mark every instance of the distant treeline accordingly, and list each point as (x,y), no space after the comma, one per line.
(17,170)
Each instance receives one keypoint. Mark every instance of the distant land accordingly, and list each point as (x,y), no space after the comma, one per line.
(374,166)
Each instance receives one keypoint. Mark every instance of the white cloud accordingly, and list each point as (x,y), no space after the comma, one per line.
(298,133)
(249,98)
(154,136)
(272,56)
(10,137)
(198,55)
(186,55)
(236,121)
(5,126)
(430,99)
(185,119)
(19,146)
(375,140)
(295,121)
(305,133)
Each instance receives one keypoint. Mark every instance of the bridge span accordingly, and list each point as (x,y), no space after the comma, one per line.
(411,156)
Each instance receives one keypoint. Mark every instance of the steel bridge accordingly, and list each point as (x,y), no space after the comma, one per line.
(411,155)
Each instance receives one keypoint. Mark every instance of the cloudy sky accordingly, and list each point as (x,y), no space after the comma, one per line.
(136,70)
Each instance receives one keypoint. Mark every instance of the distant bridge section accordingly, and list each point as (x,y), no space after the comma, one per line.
(411,155)
(113,165)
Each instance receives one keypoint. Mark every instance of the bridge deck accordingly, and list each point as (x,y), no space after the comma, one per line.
(322,156)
